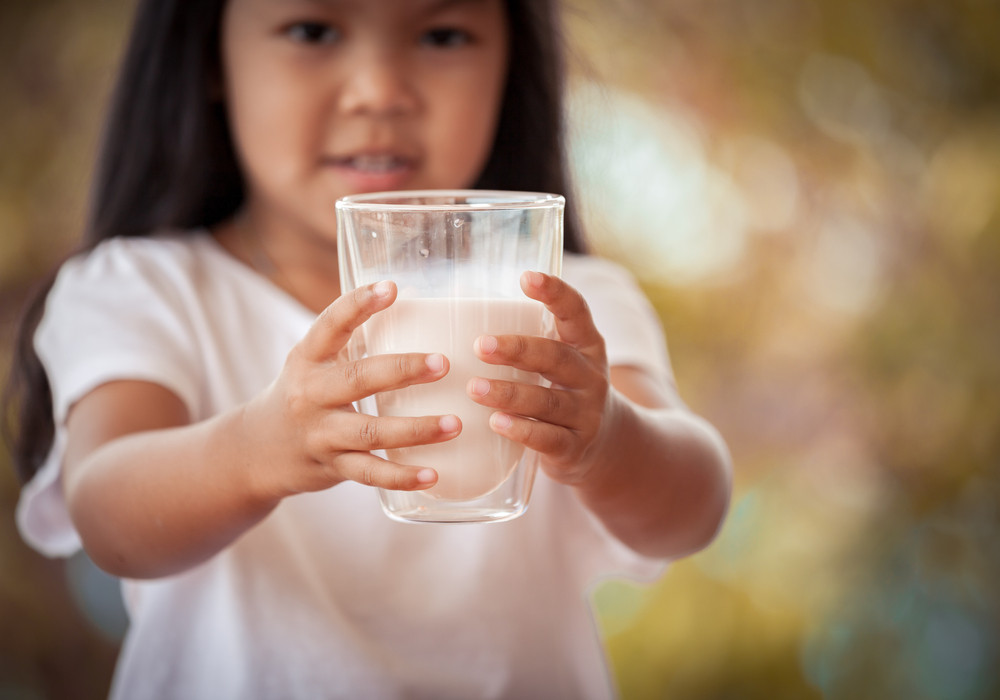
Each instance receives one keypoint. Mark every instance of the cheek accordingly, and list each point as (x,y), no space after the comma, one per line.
(465,134)
(273,135)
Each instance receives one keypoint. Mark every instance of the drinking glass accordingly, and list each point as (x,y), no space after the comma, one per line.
(456,257)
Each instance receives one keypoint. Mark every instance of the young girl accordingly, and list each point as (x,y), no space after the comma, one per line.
(187,417)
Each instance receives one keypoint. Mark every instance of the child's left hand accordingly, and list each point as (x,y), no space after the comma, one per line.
(566,423)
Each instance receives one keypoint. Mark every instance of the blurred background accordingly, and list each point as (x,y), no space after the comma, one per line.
(809,192)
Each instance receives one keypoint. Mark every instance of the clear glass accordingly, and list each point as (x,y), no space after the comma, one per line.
(456,257)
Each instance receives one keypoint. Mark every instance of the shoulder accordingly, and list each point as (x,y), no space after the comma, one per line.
(170,267)
(604,283)
(146,256)
(128,277)
(579,270)
(135,288)
(622,313)
(128,309)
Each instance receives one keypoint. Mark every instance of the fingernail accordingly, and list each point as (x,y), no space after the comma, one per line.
(534,279)
(383,288)
(479,387)
(487,344)
(449,424)
(500,420)
(426,476)
(435,362)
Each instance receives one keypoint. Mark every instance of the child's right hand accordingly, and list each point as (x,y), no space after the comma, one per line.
(303,433)
(152,494)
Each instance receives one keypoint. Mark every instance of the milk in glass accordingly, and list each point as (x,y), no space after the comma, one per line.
(478,460)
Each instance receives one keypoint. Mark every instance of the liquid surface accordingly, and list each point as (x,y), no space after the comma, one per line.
(478,460)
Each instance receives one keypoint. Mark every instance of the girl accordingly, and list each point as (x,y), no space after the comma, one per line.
(187,417)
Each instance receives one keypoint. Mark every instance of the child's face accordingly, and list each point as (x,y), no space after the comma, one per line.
(335,97)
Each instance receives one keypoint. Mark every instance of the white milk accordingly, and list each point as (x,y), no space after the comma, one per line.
(478,460)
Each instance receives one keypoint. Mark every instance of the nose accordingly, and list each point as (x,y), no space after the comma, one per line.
(377,83)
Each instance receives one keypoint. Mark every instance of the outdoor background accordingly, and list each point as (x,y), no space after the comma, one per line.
(809,191)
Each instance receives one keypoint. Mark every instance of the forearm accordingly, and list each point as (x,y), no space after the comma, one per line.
(154,503)
(661,481)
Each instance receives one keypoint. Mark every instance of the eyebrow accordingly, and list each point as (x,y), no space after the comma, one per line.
(435,6)
(429,8)
(441,5)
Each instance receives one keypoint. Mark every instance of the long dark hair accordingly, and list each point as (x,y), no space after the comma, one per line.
(167,161)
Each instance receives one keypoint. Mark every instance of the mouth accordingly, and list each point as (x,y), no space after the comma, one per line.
(373,163)
(372,171)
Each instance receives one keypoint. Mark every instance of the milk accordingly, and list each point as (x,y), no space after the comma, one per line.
(478,460)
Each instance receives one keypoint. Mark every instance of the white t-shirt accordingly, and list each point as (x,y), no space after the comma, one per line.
(327,597)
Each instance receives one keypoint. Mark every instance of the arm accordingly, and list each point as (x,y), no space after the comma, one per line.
(675,494)
(152,494)
(655,474)
(149,493)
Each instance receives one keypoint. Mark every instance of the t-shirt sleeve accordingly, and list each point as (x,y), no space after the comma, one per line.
(632,331)
(634,337)
(111,315)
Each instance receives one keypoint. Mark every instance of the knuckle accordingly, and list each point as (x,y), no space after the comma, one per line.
(553,403)
(296,400)
(398,480)
(369,434)
(368,475)
(359,296)
(316,447)
(328,317)
(505,391)
(518,346)
(402,365)
(564,446)
(529,431)
(555,354)
(355,376)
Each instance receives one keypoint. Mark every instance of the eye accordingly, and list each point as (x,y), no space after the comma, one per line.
(445,38)
(313,33)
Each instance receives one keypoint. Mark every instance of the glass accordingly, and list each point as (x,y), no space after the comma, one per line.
(456,258)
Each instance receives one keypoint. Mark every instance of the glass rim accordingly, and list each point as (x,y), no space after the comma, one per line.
(498,200)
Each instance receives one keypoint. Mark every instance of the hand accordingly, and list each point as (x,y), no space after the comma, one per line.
(568,422)
(304,430)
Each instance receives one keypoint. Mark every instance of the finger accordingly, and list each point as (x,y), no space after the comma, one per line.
(365,468)
(556,442)
(574,323)
(333,327)
(558,362)
(356,431)
(554,406)
(352,381)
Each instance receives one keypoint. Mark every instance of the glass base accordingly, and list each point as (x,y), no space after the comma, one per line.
(506,502)
(470,514)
